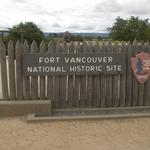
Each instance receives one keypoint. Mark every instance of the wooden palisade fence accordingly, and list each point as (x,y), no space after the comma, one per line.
(67,91)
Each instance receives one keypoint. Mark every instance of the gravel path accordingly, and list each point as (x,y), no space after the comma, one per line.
(125,134)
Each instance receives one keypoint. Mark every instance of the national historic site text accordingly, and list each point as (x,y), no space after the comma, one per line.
(71,64)
(75,69)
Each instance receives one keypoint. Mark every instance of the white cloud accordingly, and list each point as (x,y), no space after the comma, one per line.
(74,16)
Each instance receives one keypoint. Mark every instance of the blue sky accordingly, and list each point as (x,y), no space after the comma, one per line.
(73,16)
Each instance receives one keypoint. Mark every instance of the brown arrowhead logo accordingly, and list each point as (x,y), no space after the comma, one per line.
(141,66)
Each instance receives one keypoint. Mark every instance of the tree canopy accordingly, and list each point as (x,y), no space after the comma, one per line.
(130,29)
(30,32)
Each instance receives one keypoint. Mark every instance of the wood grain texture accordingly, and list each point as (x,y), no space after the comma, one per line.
(115,81)
(83,80)
(50,79)
(42,79)
(26,79)
(89,80)
(77,86)
(122,94)
(11,58)
(129,76)
(103,83)
(4,71)
(71,91)
(74,91)
(96,82)
(141,48)
(34,79)
(57,81)
(147,85)
(19,70)
(63,80)
(109,81)
(134,81)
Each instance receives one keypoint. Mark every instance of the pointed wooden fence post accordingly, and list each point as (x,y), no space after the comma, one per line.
(123,81)
(42,79)
(57,81)
(4,71)
(140,100)
(12,84)
(83,83)
(134,80)
(109,79)
(77,81)
(34,79)
(115,81)
(147,85)
(89,79)
(129,76)
(63,80)
(50,79)
(71,99)
(19,70)
(96,91)
(26,79)
(103,82)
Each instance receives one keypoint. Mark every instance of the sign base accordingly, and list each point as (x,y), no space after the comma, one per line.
(97,113)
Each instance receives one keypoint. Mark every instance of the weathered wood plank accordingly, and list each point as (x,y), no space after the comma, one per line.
(34,79)
(57,81)
(63,80)
(96,92)
(50,79)
(19,71)
(3,71)
(109,81)
(129,76)
(115,82)
(71,78)
(42,79)
(78,49)
(103,84)
(89,80)
(147,85)
(141,48)
(83,79)
(12,84)
(122,95)
(26,79)
(134,81)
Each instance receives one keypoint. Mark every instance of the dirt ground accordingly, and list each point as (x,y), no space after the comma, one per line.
(117,134)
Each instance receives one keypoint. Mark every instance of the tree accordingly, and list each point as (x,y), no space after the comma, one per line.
(88,38)
(130,29)
(78,38)
(67,36)
(99,38)
(30,32)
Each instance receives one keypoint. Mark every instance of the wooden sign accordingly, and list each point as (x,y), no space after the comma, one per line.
(141,67)
(62,64)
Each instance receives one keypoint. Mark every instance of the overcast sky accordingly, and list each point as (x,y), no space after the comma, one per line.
(70,15)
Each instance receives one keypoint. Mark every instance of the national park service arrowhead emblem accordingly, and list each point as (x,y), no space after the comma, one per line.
(141,66)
